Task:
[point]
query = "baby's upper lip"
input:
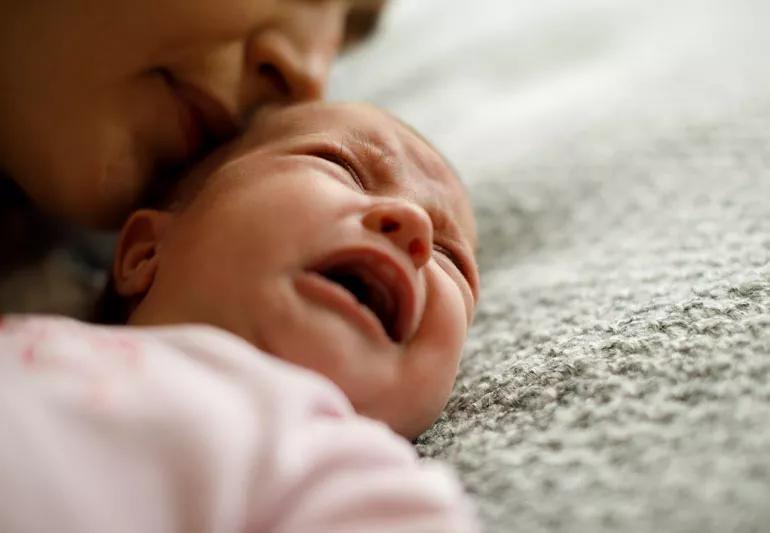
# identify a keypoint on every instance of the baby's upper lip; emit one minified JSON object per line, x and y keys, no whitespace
{"x":206,"y":117}
{"x":389,"y":280}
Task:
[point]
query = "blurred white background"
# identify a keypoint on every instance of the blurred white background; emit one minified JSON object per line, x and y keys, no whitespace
{"x":490,"y":79}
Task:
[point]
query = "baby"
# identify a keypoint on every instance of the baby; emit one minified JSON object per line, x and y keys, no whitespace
{"x":332,"y":249}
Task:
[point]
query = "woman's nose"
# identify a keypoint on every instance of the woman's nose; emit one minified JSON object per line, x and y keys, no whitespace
{"x":407,"y":226}
{"x":291,"y":58}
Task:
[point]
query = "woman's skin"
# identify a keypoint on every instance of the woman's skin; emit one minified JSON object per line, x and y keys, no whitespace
{"x":98,"y":97}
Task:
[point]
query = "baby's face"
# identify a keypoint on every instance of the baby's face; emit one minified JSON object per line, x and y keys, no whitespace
{"x":99,"y":96}
{"x":334,"y":237}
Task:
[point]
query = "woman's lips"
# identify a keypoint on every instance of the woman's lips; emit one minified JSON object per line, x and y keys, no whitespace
{"x":203,"y":119}
{"x":317,"y":288}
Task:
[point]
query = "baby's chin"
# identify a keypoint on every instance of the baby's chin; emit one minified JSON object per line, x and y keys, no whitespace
{"x":380,"y":382}
{"x":408,"y":413}
{"x":370,"y":384}
{"x":408,"y":425}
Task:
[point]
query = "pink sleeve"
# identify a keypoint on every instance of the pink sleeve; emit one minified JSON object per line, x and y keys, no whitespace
{"x":355,"y":475}
{"x":190,"y":429}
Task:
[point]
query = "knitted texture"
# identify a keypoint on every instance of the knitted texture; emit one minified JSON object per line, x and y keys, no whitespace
{"x":617,"y":376}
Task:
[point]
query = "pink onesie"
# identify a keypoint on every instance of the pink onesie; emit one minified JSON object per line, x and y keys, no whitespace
{"x":190,"y":429}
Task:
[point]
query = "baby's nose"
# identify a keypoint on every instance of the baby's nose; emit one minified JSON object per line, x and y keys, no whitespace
{"x":407,"y":226}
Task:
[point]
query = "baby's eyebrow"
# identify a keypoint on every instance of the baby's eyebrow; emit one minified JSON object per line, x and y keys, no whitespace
{"x":377,"y":153}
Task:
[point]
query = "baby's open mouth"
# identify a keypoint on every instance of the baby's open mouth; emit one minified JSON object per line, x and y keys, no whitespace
{"x":378,"y":283}
{"x":370,"y":291}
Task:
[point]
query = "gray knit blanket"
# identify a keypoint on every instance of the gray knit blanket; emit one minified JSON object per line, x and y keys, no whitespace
{"x":617,"y":377}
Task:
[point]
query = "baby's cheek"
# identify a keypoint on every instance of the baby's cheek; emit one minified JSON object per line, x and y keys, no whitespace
{"x":458,"y":283}
{"x":432,"y":360}
{"x":446,"y":312}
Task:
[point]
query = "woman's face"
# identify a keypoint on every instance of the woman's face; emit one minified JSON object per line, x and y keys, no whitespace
{"x":97,"y":97}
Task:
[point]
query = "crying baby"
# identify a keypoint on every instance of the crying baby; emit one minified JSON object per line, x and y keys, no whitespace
{"x":295,"y":302}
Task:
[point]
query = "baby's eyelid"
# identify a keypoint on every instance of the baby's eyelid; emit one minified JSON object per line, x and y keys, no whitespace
{"x":466,"y":265}
{"x":465,"y":273}
{"x":453,"y":258}
{"x":342,"y":162}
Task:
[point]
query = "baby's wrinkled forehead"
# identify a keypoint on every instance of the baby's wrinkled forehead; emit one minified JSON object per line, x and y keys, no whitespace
{"x":354,"y":119}
{"x":365,"y":126}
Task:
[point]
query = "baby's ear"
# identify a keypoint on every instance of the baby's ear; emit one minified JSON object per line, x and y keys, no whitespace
{"x":136,"y":257}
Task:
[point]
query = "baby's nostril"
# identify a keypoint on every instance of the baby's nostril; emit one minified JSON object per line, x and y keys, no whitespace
{"x":388,"y":225}
{"x":275,"y":78}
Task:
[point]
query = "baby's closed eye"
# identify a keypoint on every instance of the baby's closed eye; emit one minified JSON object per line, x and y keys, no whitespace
{"x":342,"y":162}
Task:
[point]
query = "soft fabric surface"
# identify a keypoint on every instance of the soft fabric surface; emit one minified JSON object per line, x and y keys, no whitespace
{"x":617,"y":377}
{"x":189,"y":428}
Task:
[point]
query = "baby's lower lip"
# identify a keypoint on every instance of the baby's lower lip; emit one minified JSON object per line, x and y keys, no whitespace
{"x":321,"y":291}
